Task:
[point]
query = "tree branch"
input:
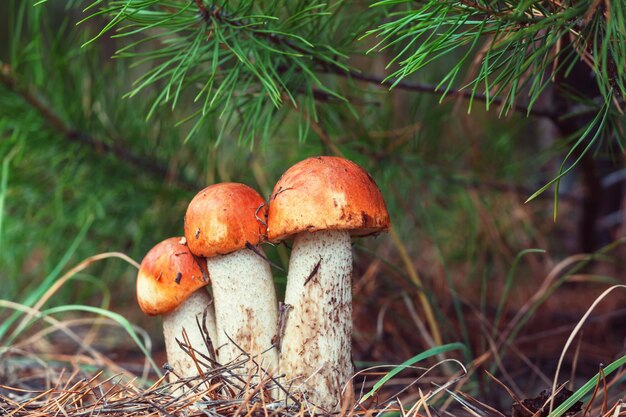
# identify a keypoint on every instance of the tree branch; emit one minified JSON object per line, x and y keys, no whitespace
{"x":157,"y":168}
{"x":208,"y":14}
{"x":432,"y":89}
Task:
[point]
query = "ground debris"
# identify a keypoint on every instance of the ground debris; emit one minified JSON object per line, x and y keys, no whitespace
{"x":223,"y":391}
{"x":538,"y":406}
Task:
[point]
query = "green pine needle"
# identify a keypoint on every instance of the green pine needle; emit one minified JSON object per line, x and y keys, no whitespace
{"x":247,"y":58}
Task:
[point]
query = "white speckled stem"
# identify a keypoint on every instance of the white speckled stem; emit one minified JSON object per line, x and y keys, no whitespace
{"x":184,"y":317}
{"x":245,"y":307}
{"x":316,"y":347}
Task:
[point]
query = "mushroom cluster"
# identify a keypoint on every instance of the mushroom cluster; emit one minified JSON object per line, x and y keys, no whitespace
{"x":319,"y":203}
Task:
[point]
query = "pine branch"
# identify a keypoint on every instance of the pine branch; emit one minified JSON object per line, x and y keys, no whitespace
{"x":157,"y":168}
{"x":331,"y":67}
{"x":507,"y":48}
{"x":218,"y":14}
{"x":433,"y":89}
{"x":240,"y":68}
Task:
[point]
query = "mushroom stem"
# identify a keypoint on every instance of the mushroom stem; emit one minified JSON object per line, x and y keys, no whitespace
{"x":186,"y":317}
{"x":316,"y":347}
{"x":245,"y":307}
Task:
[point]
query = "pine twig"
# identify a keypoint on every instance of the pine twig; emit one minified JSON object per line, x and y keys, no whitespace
{"x":157,"y":168}
{"x":335,"y":69}
{"x":432,"y":89}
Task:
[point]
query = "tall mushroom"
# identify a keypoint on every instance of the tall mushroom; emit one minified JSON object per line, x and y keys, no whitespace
{"x":320,"y":202}
{"x":171,"y":283}
{"x":224,"y":223}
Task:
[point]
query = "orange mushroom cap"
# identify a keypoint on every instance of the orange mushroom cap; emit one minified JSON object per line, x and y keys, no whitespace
{"x":221,"y":218}
{"x":326,"y":193}
{"x":167,"y":276}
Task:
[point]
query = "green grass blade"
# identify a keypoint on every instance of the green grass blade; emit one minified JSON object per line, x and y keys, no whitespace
{"x":34,"y":295}
{"x":118,"y":318}
{"x":409,"y":362}
{"x":508,"y":283}
{"x":588,"y":386}
{"x":4,"y":186}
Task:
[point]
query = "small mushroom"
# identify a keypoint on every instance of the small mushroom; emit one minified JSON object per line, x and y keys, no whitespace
{"x":320,"y":202}
{"x":224,"y":223}
{"x":171,"y":283}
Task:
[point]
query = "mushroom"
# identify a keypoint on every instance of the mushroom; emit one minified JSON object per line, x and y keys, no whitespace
{"x":224,"y":223}
{"x":320,"y":202}
{"x":171,"y":283}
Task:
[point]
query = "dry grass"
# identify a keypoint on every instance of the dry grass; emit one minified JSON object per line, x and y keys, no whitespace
{"x":41,"y":388}
{"x":46,"y":388}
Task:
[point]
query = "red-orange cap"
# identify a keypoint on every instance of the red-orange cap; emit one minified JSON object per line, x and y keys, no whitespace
{"x":167,"y":276}
{"x":221,"y":218}
{"x":326,"y":193}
